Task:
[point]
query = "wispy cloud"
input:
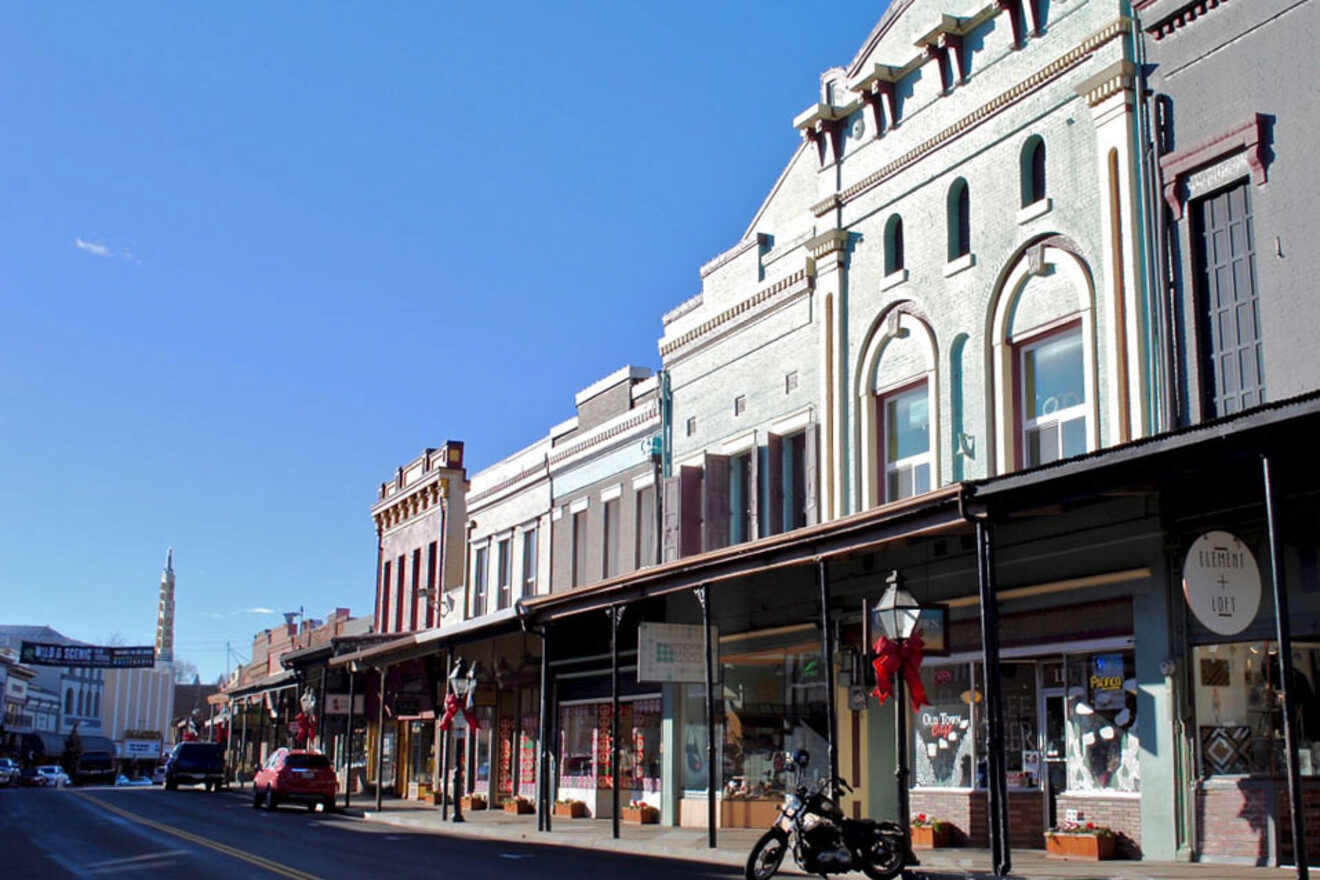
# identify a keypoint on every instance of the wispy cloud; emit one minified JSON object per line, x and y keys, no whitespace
{"x":257,"y":611}
{"x":92,"y":247}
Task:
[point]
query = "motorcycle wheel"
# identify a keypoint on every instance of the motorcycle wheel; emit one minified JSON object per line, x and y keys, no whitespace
{"x":881,"y":860}
{"x":767,"y":855}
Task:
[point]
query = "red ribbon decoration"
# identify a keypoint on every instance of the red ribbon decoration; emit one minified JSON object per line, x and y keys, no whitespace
{"x":893,"y":658}
{"x":452,"y":708}
{"x":303,"y":733}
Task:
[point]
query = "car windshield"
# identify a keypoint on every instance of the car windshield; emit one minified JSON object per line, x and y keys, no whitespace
{"x":300,"y":762}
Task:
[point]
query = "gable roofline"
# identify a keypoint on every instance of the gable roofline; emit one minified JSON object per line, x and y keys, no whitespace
{"x":765,"y":203}
{"x":896,"y":8}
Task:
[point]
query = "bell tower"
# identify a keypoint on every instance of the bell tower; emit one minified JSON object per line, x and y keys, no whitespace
{"x":165,"y":613}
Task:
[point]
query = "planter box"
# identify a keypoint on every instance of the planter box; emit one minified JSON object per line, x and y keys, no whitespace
{"x":574,"y":810}
{"x":474,"y":802}
{"x":1084,"y":847}
{"x":518,"y":808}
{"x":931,"y":836}
{"x":746,"y":812}
{"x":641,"y":815}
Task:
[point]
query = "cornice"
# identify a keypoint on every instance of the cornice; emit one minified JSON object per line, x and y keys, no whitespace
{"x":649,"y":413}
{"x":803,"y":278}
{"x":1117,"y":77}
{"x":977,"y":117}
{"x":490,"y":493}
{"x":1249,"y":137}
{"x":1180,"y":18}
{"x":733,"y":253}
{"x":682,"y":308}
{"x":401,"y":509}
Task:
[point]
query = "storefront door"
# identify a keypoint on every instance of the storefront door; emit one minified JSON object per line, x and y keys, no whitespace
{"x":1054,"y":738}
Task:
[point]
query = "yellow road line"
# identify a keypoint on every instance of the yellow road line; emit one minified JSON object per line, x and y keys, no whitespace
{"x":273,"y":867}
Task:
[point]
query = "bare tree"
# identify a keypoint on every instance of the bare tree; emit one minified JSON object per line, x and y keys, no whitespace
{"x":184,"y":672}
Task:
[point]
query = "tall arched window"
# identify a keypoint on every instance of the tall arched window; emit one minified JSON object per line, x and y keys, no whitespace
{"x":960,"y":220}
{"x":1033,"y":170}
{"x":68,"y":702}
{"x":894,"y":245}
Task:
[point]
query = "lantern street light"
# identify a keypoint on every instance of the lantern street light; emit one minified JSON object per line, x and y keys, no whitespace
{"x":898,"y":614}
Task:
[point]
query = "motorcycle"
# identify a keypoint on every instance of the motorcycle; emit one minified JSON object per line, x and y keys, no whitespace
{"x":823,"y":841}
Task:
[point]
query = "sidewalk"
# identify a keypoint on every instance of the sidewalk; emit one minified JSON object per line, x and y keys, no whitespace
{"x":735,"y":843}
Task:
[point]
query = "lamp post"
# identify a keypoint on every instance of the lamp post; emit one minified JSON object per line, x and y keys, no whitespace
{"x":462,"y":688}
{"x":898,"y":614}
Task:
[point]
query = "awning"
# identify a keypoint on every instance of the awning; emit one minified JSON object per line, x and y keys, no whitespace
{"x":278,"y":681}
{"x":51,"y":745}
{"x":427,"y":642}
{"x":319,"y":654}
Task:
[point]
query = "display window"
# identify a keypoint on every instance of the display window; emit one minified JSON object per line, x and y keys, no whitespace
{"x":584,"y":745}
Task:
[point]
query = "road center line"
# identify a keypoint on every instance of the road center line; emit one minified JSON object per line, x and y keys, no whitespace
{"x":273,"y":867}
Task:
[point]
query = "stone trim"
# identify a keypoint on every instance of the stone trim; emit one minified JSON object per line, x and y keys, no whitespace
{"x":683,"y":308}
{"x":1180,"y":18}
{"x":1117,"y":77}
{"x":641,"y":418}
{"x":802,"y":276}
{"x":478,"y":497}
{"x":986,"y":111}
{"x":733,"y":253}
{"x":1249,"y":136}
{"x":409,"y":506}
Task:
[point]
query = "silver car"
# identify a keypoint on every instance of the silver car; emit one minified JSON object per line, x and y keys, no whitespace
{"x":9,"y":771}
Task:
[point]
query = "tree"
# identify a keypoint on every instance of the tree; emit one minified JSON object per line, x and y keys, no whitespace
{"x":73,"y":751}
{"x":184,"y":672}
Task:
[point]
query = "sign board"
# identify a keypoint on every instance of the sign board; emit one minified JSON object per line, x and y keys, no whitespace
{"x":1106,"y":682}
{"x":675,"y":652}
{"x":1221,"y":583}
{"x":88,"y":656}
{"x":337,"y":704}
{"x":140,"y":749}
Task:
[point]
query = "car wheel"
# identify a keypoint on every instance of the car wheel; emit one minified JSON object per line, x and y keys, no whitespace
{"x":256,"y":797}
{"x":171,"y":784}
{"x":328,"y":805}
{"x":270,"y":797}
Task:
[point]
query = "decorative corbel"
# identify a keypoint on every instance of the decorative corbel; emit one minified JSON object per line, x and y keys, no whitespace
{"x":1037,"y":17}
{"x":1014,"y":10}
{"x":952,"y":46}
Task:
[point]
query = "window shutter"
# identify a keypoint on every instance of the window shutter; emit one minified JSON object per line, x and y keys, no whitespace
{"x":715,"y":503}
{"x":689,"y":540}
{"x":775,"y":479}
{"x":811,"y":473}
{"x":753,"y":494}
{"x":671,"y":511}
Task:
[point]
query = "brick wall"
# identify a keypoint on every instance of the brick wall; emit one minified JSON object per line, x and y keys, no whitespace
{"x":1310,"y":813}
{"x":1233,"y":819}
{"x":968,"y":813}
{"x":1121,"y":813}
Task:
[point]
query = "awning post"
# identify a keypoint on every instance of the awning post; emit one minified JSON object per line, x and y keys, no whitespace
{"x":827,"y":651}
{"x":380,"y":737}
{"x":997,"y":783}
{"x":616,"y":615}
{"x":703,"y":597}
{"x":543,"y":808}
{"x":348,"y":742}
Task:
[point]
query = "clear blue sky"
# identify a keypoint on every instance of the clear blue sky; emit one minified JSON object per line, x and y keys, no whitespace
{"x":256,"y":255}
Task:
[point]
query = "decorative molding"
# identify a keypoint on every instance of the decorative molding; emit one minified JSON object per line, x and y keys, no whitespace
{"x":828,"y":242}
{"x":961,"y":264}
{"x":1249,"y":136}
{"x":1038,"y":208}
{"x":650,"y":412}
{"x":1117,"y":77}
{"x":476,"y":498}
{"x":683,"y":308}
{"x":800,"y":277}
{"x":893,"y":279}
{"x":986,"y":111}
{"x":1179,"y":18}
{"x":733,"y":253}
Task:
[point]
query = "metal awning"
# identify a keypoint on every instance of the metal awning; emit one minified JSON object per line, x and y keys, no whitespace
{"x":276,"y":682}
{"x":430,"y":641}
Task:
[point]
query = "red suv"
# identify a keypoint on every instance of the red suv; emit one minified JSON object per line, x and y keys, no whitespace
{"x":295,"y":776}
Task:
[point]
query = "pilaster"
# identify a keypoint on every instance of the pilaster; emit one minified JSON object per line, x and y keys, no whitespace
{"x":829,"y":253}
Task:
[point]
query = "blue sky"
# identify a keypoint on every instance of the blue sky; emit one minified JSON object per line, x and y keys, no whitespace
{"x":255,"y":256}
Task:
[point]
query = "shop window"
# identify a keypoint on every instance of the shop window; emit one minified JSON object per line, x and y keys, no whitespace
{"x":529,"y":562}
{"x":481,"y":754}
{"x":1033,"y":170}
{"x":905,"y":427}
{"x":1053,"y":398}
{"x":959,"y":209}
{"x":479,"y":582}
{"x":503,"y":572}
{"x":894,"y":245}
{"x":1102,"y":745}
{"x":742,"y":498}
{"x":610,"y":544}
{"x":944,"y":741}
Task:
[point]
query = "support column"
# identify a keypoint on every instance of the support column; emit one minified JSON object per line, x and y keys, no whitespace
{"x":827,"y":650}
{"x":380,"y":736}
{"x":543,"y":805}
{"x":348,"y":742}
{"x":616,"y":614}
{"x":444,"y":736}
{"x":997,"y":782}
{"x":829,"y":254}
{"x":243,"y":747}
{"x":703,"y":597}
{"x":320,"y":712}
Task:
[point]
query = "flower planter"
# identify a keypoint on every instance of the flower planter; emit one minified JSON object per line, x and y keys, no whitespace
{"x":571,"y":810}
{"x":931,"y":836}
{"x":474,"y":802}
{"x":641,"y":815}
{"x":518,"y":808}
{"x":1084,"y":847}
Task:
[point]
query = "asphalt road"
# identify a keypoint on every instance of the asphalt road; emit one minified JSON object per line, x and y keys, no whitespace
{"x":148,"y":832}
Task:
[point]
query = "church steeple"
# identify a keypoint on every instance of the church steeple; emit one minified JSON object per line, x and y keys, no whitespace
{"x":165,"y":613}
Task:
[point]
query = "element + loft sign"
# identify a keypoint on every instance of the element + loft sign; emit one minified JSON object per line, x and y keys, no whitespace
{"x":1221,"y":583}
{"x":94,"y":656}
{"x":675,"y":652}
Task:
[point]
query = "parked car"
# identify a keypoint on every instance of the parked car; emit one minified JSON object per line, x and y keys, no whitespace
{"x":295,"y":776}
{"x":9,"y":771}
{"x":195,"y":763}
{"x":54,"y":775}
{"x":31,"y":778}
{"x":158,"y":775}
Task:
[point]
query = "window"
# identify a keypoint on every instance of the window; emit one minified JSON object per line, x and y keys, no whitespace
{"x":905,"y":428}
{"x":894,"y":245}
{"x":385,"y":596}
{"x":742,"y":498}
{"x":416,"y":586}
{"x":579,"y":547}
{"x":610,"y":544}
{"x":644,"y":552}
{"x":691,"y":426}
{"x":1033,"y":170}
{"x":96,"y":703}
{"x":1053,"y":390}
{"x":81,"y":703}
{"x":503,"y":573}
{"x":795,"y":481}
{"x":960,"y":220}
{"x":740,"y":404}
{"x":1231,"y":344}
{"x":68,"y":702}
{"x":398,"y":604}
{"x":432,"y":596}
{"x":790,"y":382}
{"x":529,"y":562}
{"x":479,"y":582}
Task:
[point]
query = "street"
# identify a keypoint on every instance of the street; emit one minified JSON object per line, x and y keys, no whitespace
{"x":95,"y":832}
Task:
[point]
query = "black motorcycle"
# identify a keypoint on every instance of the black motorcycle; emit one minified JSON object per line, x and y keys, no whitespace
{"x":822,"y":839}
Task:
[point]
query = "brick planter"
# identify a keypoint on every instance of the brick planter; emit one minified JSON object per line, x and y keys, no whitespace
{"x":571,"y":810}
{"x":931,"y":836}
{"x":1083,"y":847}
{"x":516,"y":807}
{"x":641,"y":815}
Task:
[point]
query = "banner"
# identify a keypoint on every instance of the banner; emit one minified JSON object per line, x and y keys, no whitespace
{"x":87,"y":656}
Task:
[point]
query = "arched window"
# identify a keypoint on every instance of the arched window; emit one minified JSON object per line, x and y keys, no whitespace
{"x":960,"y":220}
{"x":1033,"y":170}
{"x":68,"y":702}
{"x":894,"y":245}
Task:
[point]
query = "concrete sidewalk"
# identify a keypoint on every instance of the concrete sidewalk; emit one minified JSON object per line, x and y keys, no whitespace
{"x":735,"y":843}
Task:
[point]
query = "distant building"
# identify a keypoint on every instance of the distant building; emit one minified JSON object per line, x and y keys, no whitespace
{"x":79,"y":689}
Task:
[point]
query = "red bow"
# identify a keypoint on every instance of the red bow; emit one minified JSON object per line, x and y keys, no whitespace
{"x":892,"y":658}
{"x":304,"y":728}
{"x":452,"y":708}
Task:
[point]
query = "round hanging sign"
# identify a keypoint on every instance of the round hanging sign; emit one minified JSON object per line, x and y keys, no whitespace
{"x":1221,"y":583}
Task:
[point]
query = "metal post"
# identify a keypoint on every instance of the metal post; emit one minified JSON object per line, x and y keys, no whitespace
{"x":543,"y":808}
{"x":458,"y":775}
{"x":901,"y":766}
{"x":320,"y":712}
{"x":348,"y":742}
{"x":242,"y":755}
{"x":616,"y":613}
{"x":1283,"y":635}
{"x":996,"y":784}
{"x":380,"y":737}
{"x":704,"y":598}
{"x":261,"y":728}
{"x":657,"y":465}
{"x":827,"y":649}
{"x":444,"y":748}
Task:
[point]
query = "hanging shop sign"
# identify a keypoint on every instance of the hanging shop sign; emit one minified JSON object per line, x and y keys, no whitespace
{"x":1221,"y":583}
{"x":88,"y":656}
{"x":675,"y":652}
{"x":337,"y":704}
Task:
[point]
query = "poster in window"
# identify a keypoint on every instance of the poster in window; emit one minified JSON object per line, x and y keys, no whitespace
{"x":1107,"y":692}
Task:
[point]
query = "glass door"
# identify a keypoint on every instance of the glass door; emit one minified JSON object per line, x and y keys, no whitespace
{"x":1055,"y":740}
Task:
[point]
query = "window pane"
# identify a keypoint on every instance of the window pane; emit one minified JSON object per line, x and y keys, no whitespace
{"x":1074,"y":437}
{"x":907,"y":424}
{"x":891,"y":491}
{"x":1054,"y":375}
{"x":921,"y":478}
{"x":942,"y":731}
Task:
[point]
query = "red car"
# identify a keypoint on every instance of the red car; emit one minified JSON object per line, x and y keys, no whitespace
{"x":295,"y":776}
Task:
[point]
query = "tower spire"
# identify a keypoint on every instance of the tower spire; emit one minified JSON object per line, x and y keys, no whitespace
{"x":165,"y":612}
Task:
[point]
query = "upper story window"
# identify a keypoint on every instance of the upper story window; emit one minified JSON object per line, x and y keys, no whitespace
{"x":579,"y":560}
{"x":68,"y":702}
{"x":503,"y":572}
{"x":690,"y":427}
{"x":1033,"y":170}
{"x":1053,"y":388}
{"x":959,"y":220}
{"x":610,"y":544}
{"x":416,"y":586}
{"x":479,"y":582}
{"x":386,"y":569}
{"x":431,"y":595}
{"x":742,"y":498}
{"x":644,"y":549}
{"x":529,"y":550}
{"x":905,"y":432}
{"x":894,"y":245}
{"x":398,"y":599}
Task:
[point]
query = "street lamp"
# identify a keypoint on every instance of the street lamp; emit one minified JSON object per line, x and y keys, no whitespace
{"x":458,"y":701}
{"x":898,"y":614}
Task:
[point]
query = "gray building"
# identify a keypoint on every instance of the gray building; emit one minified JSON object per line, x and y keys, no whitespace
{"x":79,"y":688}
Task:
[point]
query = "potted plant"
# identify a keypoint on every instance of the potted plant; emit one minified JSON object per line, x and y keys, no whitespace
{"x":474,"y":801}
{"x":929,"y":832}
{"x":1080,"y":840}
{"x":569,"y":809}
{"x":640,"y":813}
{"x":518,"y":806}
